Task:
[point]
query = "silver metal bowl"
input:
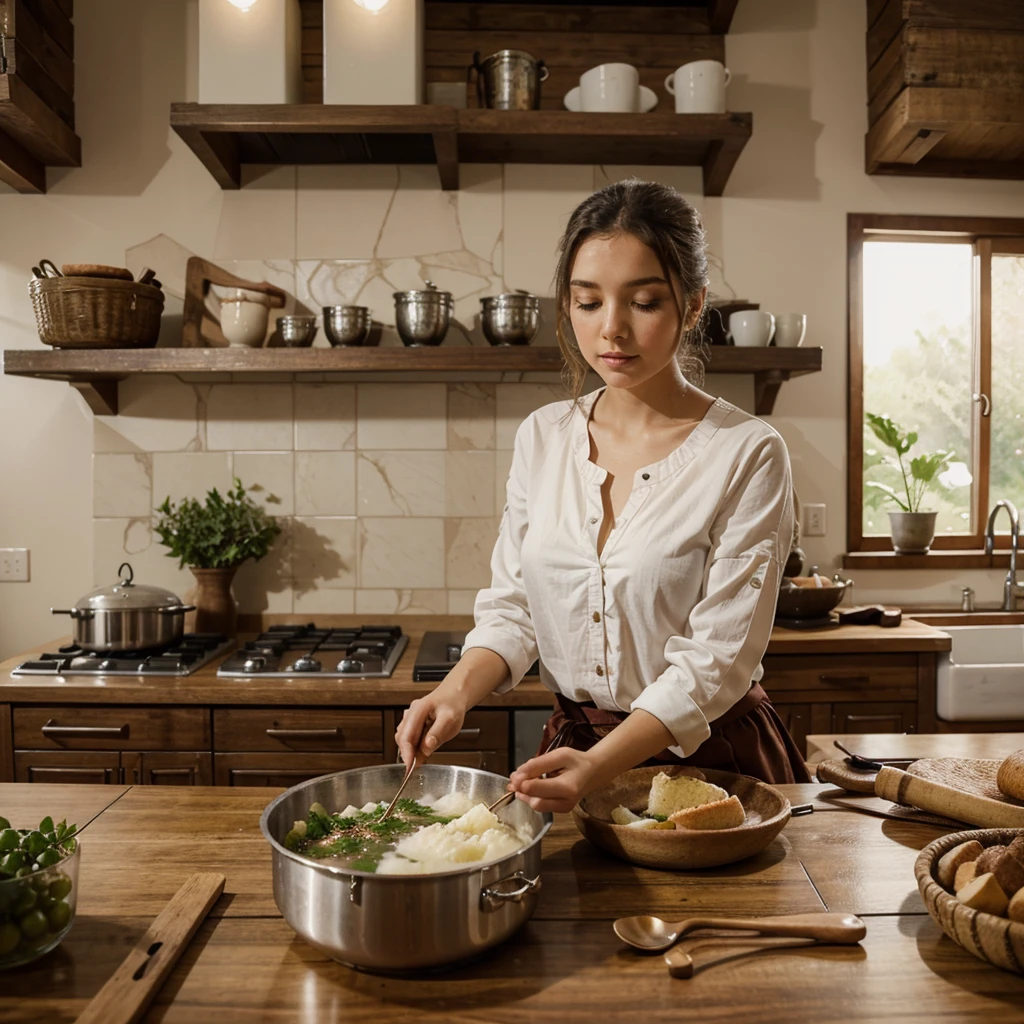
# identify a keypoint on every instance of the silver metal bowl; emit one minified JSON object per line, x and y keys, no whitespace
{"x":422,"y":317}
{"x":510,"y":319}
{"x":347,"y":325}
{"x":402,"y":922}
{"x":297,"y":331}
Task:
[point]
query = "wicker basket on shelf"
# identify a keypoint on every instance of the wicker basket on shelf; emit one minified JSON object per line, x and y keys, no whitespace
{"x":93,"y":312}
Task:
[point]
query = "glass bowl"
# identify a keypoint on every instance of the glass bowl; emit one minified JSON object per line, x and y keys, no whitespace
{"x":37,"y":911}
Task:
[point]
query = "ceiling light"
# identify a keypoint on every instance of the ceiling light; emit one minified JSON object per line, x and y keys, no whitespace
{"x":371,"y":5}
{"x":244,"y":5}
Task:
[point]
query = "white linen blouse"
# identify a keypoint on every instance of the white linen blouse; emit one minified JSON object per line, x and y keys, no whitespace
{"x":675,"y":613}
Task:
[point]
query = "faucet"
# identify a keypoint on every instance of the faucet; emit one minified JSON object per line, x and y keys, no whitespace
{"x":1013,"y":592}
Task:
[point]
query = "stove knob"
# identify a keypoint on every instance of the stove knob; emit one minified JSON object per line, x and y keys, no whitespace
{"x":454,"y":652}
{"x":107,"y":664}
{"x":307,"y":664}
{"x":255,"y":664}
{"x":351,"y":665}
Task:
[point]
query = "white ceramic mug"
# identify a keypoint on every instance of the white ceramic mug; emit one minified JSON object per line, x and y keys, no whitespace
{"x":244,"y":316}
{"x":790,"y":329}
{"x":751,"y":328}
{"x":699,"y":87}
{"x":612,"y":88}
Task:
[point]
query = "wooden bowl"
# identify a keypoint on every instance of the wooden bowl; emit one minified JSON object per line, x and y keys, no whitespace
{"x":766,"y":808}
{"x":996,"y":940}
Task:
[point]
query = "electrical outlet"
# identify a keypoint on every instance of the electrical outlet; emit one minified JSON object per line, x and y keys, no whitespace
{"x":13,"y":565}
{"x":814,"y":520}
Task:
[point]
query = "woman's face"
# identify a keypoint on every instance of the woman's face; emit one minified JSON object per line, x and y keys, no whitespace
{"x":623,"y":311}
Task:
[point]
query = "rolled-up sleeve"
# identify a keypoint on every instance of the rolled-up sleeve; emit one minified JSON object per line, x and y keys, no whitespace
{"x":501,"y":611}
{"x":714,"y":658}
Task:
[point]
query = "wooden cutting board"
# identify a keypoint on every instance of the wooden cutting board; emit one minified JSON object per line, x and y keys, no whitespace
{"x":955,"y":787}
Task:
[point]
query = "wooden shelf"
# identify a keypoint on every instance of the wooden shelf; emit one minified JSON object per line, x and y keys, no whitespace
{"x":227,"y":137}
{"x":95,"y":372}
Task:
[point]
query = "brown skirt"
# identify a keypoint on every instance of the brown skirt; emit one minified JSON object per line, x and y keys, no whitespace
{"x":748,"y":739}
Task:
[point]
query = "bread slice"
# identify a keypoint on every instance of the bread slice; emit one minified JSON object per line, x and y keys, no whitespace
{"x":727,"y":813}
{"x":670,"y":794}
{"x":984,"y":894}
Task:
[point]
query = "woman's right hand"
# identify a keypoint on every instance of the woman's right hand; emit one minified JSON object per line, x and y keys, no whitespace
{"x":427,"y":723}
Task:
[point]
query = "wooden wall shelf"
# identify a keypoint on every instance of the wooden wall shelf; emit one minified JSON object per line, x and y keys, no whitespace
{"x":227,"y":136}
{"x":95,"y":372}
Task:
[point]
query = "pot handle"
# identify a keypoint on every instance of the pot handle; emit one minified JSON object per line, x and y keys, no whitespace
{"x":177,"y":609}
{"x":75,"y":613}
{"x":497,"y":894}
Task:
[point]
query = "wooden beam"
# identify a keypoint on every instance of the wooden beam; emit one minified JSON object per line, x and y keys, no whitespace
{"x":921,"y":145}
{"x":31,"y":122}
{"x":720,"y":14}
{"x":719,"y":162}
{"x":217,"y":151}
{"x":19,"y":169}
{"x":446,"y":151}
{"x":100,"y":395}
{"x":766,"y":390}
{"x":24,"y":29}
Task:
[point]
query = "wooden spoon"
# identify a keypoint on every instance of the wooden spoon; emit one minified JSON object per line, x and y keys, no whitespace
{"x":655,"y":935}
{"x":683,"y":963}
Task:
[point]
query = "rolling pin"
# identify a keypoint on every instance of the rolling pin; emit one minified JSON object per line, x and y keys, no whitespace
{"x":903,"y":788}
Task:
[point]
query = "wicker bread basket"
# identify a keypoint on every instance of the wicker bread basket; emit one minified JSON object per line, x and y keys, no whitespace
{"x":997,"y":940}
{"x":93,"y":312}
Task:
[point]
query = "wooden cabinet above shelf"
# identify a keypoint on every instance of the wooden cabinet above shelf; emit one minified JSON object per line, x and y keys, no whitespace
{"x":95,"y":372}
{"x":226,"y":137}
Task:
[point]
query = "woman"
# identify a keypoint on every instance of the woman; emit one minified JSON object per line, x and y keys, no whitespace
{"x":639,"y":552}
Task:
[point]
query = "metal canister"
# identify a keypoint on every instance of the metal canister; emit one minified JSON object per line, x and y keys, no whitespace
{"x":509,"y":80}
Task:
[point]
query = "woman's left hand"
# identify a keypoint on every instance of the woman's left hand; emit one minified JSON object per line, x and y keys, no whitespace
{"x":571,"y":775}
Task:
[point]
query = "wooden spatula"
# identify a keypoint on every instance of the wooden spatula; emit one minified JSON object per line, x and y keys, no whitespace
{"x":131,"y":988}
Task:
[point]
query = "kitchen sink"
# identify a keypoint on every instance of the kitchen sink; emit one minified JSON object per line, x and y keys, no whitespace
{"x":982,"y":678}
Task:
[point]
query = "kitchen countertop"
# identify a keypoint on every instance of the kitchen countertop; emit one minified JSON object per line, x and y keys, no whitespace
{"x":565,"y":965}
{"x":205,"y":688}
{"x":981,"y":745}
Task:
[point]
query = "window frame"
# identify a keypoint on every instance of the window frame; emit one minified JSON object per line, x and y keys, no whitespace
{"x":988,"y":235}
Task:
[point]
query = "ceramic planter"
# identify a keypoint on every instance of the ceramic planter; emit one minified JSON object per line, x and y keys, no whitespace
{"x":912,"y":532}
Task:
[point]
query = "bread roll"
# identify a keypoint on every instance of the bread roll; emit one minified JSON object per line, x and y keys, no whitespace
{"x":985,"y":894}
{"x":965,"y":874}
{"x":1010,"y":777}
{"x":989,"y":857}
{"x":1015,"y":911}
{"x":950,"y":861}
{"x":1016,"y":849}
{"x":726,"y":813}
{"x":1009,"y":873}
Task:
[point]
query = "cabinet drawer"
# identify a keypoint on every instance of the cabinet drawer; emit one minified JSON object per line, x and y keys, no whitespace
{"x":282,"y":769}
{"x":278,"y":729}
{"x":481,"y":730}
{"x":891,"y":716}
{"x":842,"y":673}
{"x":488,"y":760}
{"x":106,"y":727}
{"x":62,"y":766}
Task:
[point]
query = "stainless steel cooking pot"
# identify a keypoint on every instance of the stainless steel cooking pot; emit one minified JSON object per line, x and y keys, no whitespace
{"x":510,"y":318}
{"x":127,"y":616}
{"x":402,"y":922}
{"x":422,"y":317}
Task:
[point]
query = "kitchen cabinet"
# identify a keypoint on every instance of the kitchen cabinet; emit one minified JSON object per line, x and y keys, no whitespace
{"x":255,"y":769}
{"x":167,"y":768}
{"x":82,"y":767}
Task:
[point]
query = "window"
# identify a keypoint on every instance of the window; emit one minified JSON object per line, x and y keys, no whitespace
{"x":936,"y":315}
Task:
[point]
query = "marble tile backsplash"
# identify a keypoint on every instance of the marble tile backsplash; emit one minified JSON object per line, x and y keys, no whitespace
{"x":389,"y":495}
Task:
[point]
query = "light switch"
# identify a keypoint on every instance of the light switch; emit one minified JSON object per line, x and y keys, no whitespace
{"x":814,"y":521}
{"x":13,"y":565}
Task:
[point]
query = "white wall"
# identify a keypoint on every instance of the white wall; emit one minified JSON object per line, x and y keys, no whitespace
{"x":779,"y":233}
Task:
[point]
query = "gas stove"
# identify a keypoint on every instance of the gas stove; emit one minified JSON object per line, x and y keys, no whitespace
{"x":190,"y":653}
{"x":286,"y":651}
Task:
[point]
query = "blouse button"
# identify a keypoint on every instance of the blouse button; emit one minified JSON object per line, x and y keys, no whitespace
{"x":646,"y":476}
{"x":597,"y":616}
{"x":593,"y":519}
{"x":599,"y":670}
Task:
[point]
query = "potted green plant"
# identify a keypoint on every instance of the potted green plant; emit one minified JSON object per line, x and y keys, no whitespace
{"x":913,"y":530}
{"x":213,"y":540}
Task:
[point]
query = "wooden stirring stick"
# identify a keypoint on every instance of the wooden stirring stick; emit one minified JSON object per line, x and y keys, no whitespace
{"x":131,"y":988}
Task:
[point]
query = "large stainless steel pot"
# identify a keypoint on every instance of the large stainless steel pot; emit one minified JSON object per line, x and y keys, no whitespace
{"x":422,"y":317}
{"x":402,"y":922}
{"x":127,"y":616}
{"x":510,"y":318}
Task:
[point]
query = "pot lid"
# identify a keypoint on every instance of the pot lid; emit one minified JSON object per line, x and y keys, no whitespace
{"x":430,"y":294}
{"x":125,"y":594}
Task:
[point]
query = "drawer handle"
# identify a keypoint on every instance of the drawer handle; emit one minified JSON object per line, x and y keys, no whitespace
{"x":305,"y":734}
{"x":861,"y":680}
{"x":105,"y":732}
{"x":468,"y":734}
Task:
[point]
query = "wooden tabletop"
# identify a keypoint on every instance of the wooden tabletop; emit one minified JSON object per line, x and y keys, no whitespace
{"x":204,"y":687}
{"x":991,"y":745}
{"x":566,"y":964}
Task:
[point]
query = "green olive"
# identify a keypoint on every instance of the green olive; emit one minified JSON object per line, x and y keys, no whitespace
{"x":58,"y":916}
{"x":9,"y":839}
{"x":33,"y":924}
{"x":10,"y":936}
{"x":26,"y":900}
{"x":60,"y":887}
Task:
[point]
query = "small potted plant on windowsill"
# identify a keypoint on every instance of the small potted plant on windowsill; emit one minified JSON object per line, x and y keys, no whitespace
{"x":912,"y":530}
{"x":213,"y":540}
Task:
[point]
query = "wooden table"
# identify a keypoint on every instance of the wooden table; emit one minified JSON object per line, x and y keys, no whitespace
{"x":245,"y":963}
{"x":820,"y":747}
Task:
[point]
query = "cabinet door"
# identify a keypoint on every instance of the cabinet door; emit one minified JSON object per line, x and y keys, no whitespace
{"x":95,"y":767}
{"x":257,"y":769}
{"x":481,"y":730}
{"x":167,"y":768}
{"x":299,"y":729}
{"x":892,"y":716}
{"x":797,"y":720}
{"x":489,"y":760}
